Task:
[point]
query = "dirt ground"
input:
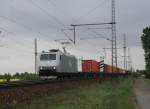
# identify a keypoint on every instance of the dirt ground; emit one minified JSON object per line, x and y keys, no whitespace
{"x":142,"y":92}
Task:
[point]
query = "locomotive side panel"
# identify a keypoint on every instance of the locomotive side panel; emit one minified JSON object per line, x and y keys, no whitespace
{"x":68,"y":64}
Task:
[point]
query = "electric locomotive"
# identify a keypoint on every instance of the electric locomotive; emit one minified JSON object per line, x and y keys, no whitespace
{"x":55,"y":62}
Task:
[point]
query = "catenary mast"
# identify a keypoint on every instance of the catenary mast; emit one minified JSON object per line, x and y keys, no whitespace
{"x":114,"y":42}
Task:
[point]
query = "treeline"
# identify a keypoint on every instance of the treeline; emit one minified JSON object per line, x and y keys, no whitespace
{"x":145,"y":38}
{"x":19,"y":76}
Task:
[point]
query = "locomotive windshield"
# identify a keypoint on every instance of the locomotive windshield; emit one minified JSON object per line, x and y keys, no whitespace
{"x":48,"y":57}
{"x":52,"y":56}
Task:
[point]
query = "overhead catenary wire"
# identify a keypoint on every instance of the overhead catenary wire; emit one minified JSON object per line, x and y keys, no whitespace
{"x":93,"y":9}
{"x":43,"y":10}
{"x":100,"y":3}
{"x":47,"y":13}
{"x":67,"y":35}
{"x":18,"y":44}
{"x":36,"y":8}
{"x":54,"y":18}
{"x":76,"y":20}
{"x":36,"y":34}
{"x":16,"y":41}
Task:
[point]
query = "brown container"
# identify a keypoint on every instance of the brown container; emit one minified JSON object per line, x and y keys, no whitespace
{"x":107,"y":68}
{"x":90,"y":66}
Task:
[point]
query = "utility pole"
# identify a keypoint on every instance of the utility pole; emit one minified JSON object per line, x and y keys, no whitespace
{"x":114,"y":42}
{"x":129,"y":60}
{"x":35,"y":52}
{"x":74,"y":32}
{"x":124,"y":48}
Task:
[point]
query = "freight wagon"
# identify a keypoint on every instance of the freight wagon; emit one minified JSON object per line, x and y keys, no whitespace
{"x":90,"y":66}
{"x":108,"y":69}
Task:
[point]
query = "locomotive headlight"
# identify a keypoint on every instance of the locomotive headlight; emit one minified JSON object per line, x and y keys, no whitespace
{"x":54,"y":67}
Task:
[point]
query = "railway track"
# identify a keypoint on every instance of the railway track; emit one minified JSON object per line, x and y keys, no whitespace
{"x":25,"y":83}
{"x":71,"y":77}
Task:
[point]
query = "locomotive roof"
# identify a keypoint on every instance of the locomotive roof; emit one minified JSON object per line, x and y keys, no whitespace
{"x":57,"y":50}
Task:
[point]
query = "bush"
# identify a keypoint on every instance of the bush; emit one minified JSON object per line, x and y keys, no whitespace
{"x":147,"y":74}
{"x":26,"y":76}
{"x":7,"y":77}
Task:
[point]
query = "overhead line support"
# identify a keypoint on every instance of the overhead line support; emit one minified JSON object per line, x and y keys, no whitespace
{"x":35,"y":48}
{"x":92,"y":24}
{"x":88,"y":24}
{"x":114,"y":39}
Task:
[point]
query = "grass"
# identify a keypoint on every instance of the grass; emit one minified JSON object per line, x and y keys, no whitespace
{"x":147,"y":81}
{"x":11,"y":80}
{"x":108,"y":95}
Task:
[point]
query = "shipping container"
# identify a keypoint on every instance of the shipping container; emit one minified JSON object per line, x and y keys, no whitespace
{"x":90,"y":66}
{"x":108,"y":69}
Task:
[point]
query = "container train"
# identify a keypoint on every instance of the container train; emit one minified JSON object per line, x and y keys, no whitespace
{"x":58,"y":63}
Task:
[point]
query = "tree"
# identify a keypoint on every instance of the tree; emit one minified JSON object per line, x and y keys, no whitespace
{"x":7,"y":77}
{"x":146,"y":46}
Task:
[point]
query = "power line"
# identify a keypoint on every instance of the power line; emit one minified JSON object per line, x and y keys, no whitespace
{"x":89,"y":24}
{"x":66,"y":35}
{"x":22,"y":25}
{"x":43,"y":10}
{"x":17,"y":42}
{"x":33,"y":3}
{"x":93,"y":9}
{"x":54,"y":18}
{"x":61,"y":11}
{"x":29,"y":29}
{"x":14,"y":21}
{"x":50,"y":1}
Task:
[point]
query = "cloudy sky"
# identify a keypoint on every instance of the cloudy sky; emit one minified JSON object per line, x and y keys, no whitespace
{"x":47,"y":20}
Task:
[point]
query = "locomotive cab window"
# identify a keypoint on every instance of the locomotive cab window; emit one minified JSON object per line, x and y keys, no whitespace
{"x":52,"y":56}
{"x":45,"y":57}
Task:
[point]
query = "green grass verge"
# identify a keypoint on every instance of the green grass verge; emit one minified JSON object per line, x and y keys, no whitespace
{"x":108,"y":95}
{"x":147,"y":81}
{"x":11,"y":80}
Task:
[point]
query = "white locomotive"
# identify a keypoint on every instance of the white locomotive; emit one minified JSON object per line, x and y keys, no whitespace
{"x":55,"y":61}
